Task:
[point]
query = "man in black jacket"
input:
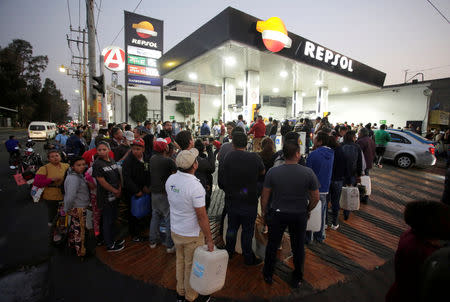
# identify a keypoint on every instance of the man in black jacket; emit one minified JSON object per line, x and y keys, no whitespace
{"x":205,"y":175}
{"x":206,"y":164}
{"x":136,"y":178}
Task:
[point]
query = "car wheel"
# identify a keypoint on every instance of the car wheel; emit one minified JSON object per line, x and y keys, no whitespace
{"x":404,"y":161}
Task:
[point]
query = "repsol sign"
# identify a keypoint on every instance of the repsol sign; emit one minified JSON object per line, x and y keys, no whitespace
{"x":327,"y":56}
{"x":144,"y":43}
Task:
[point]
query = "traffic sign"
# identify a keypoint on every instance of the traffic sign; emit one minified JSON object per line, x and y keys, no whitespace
{"x":114,"y":58}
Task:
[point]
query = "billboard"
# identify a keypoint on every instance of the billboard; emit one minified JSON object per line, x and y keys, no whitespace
{"x":143,"y":47}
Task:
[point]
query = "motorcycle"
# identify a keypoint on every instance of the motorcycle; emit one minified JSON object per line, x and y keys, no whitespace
{"x":30,"y":160}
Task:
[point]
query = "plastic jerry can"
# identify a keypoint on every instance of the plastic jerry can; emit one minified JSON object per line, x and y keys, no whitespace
{"x":315,"y":219}
{"x":349,"y":199}
{"x":365,"y":181}
{"x":209,"y":270}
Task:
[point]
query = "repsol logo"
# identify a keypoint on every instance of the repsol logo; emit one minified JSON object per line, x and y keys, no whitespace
{"x":324,"y":55}
{"x":144,"y":43}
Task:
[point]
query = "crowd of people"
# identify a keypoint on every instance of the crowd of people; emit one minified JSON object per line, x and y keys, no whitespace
{"x":164,"y":161}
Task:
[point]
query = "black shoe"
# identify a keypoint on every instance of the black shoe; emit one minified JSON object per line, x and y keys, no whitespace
{"x":115,"y":248}
{"x":180,"y":298}
{"x":100,"y":242}
{"x":255,"y":262}
{"x":296,"y":283}
{"x":202,"y":298}
{"x":138,"y":239}
{"x":120,"y":242}
{"x":268,"y":279}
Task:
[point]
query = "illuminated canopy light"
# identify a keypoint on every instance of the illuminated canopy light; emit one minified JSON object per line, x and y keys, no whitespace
{"x":319,"y":82}
{"x":230,"y":61}
{"x":345,"y":89}
{"x":216,"y":103}
{"x":193,"y":76}
{"x":283,"y":73}
{"x":276,"y":90}
{"x":303,"y":94}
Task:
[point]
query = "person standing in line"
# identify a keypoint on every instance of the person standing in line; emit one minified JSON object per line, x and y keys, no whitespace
{"x":353,"y":163}
{"x":321,"y":162}
{"x":259,"y":131}
{"x":230,"y":127}
{"x":367,"y":146}
{"x":189,"y":220}
{"x":74,"y":145}
{"x":161,"y":167}
{"x":294,"y":191}
{"x":205,"y":152}
{"x":241,"y":123}
{"x":119,"y":145}
{"x":239,"y":174}
{"x":222,"y":131}
{"x":273,"y":130}
{"x":269,"y":126}
{"x":76,"y":201}
{"x":205,"y":129}
{"x":61,"y":140}
{"x":382,"y":138}
{"x":159,"y":128}
{"x":109,"y":189}
{"x":136,"y":182}
{"x":337,"y":182}
{"x":51,"y":177}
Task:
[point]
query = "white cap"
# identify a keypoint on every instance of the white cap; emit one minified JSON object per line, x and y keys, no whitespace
{"x":186,"y":158}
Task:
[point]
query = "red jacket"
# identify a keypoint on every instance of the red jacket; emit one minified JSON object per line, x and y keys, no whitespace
{"x":258,"y":129}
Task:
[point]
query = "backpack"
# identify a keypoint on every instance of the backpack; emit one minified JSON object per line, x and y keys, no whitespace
{"x":63,"y":190}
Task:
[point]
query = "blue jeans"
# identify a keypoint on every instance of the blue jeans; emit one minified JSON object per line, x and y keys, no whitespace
{"x":335,"y":195}
{"x":320,"y":235}
{"x":160,"y":212}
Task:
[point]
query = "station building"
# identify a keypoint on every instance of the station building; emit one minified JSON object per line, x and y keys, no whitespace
{"x":239,"y":64}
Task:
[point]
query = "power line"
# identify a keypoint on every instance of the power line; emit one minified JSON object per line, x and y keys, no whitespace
{"x":70,"y":17}
{"x":440,"y":13}
{"x":431,"y":68}
{"x":124,"y":25}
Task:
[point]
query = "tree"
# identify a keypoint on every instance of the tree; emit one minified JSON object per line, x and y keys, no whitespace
{"x":138,"y":108}
{"x":51,"y":106}
{"x":20,"y":80}
{"x":185,"y":107}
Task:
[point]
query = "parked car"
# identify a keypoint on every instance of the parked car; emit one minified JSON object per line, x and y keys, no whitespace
{"x":42,"y":130}
{"x":407,"y":148}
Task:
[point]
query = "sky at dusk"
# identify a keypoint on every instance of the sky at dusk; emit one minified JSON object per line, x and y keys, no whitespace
{"x":390,"y":36}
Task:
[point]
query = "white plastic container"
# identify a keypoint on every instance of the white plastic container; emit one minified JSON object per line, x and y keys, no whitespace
{"x":349,"y":198}
{"x":315,"y":219}
{"x":365,"y":181}
{"x":209,"y":270}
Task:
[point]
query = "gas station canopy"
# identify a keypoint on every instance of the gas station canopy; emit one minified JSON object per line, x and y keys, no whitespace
{"x":234,"y":45}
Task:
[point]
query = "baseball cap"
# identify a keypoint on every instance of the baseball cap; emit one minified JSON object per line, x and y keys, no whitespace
{"x":160,"y":144}
{"x":129,"y":136}
{"x":138,"y":142}
{"x":186,"y":158}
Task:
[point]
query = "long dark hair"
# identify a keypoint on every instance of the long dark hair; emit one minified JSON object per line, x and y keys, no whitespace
{"x":267,"y":146}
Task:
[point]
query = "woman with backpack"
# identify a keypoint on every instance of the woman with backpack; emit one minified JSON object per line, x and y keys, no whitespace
{"x":51,"y":178}
{"x":76,"y":201}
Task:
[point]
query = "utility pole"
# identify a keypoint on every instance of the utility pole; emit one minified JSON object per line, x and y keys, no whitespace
{"x":91,"y":54}
{"x":81,"y":74}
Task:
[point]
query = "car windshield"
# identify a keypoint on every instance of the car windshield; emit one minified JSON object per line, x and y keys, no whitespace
{"x":37,"y":127}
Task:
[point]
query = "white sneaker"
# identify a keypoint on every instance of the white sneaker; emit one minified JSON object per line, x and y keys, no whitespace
{"x":153,"y":245}
{"x":334,"y":227}
{"x":171,"y":250}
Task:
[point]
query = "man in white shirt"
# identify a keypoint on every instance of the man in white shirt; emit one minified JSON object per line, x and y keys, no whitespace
{"x":189,"y":222}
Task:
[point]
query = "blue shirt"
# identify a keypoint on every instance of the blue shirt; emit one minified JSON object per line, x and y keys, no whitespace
{"x":11,"y":144}
{"x":61,"y":139}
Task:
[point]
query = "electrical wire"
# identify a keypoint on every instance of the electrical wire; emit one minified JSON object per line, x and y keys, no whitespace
{"x":440,"y":13}
{"x":431,"y":68}
{"x":124,"y":25}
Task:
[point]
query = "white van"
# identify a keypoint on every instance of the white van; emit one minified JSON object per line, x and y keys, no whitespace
{"x":42,"y":130}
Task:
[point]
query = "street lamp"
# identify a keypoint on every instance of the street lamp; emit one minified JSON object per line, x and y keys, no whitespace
{"x":62,"y":69}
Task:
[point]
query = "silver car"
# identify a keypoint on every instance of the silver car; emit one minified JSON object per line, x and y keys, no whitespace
{"x":407,"y":148}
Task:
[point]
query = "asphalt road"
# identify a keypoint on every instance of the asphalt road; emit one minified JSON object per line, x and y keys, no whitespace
{"x":30,"y":270}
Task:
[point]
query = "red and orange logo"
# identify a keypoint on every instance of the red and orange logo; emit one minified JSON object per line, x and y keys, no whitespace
{"x":145,"y":30}
{"x":274,"y":34}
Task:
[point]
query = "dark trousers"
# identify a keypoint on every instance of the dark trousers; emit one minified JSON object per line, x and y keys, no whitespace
{"x":134,"y":224}
{"x":335,"y":196}
{"x":380,"y":153}
{"x":278,"y":222}
{"x":109,"y":216}
{"x":52,"y":209}
{"x":235,"y":220}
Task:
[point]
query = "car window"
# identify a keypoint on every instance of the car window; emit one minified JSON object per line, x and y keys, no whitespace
{"x":396,"y":138}
{"x":37,"y":127}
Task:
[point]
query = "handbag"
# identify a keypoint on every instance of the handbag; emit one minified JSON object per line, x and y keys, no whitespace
{"x":365,"y":181}
{"x":36,"y":193}
{"x":140,"y":206}
{"x":20,"y":181}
